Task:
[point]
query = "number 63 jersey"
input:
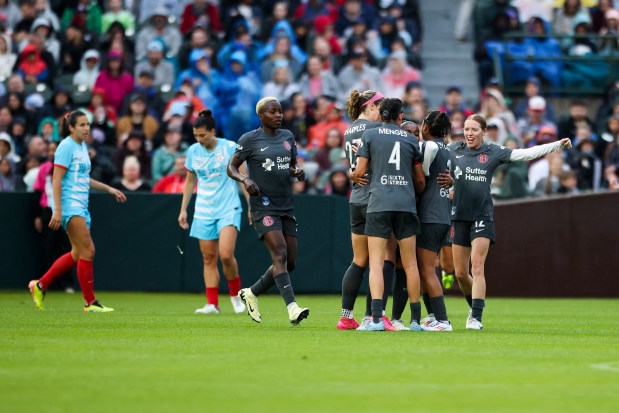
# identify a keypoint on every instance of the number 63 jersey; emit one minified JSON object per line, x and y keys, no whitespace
{"x":391,"y":153}
{"x":360,"y":195}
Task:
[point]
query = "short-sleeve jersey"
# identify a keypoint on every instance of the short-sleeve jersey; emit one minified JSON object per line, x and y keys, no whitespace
{"x":73,"y":157}
{"x":391,"y":152}
{"x":268,"y":165}
{"x":434,"y":204}
{"x":218,"y":194}
{"x":472,"y":171}
{"x":360,"y":194}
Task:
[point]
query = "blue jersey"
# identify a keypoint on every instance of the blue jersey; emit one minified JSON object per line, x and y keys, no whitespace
{"x":218,"y":194}
{"x":74,"y":157}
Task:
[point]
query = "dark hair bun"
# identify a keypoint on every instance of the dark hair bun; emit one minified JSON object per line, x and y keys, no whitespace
{"x":206,"y":113}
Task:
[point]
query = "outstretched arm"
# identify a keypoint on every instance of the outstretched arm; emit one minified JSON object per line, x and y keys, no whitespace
{"x":100,"y":186}
{"x":540,"y":150}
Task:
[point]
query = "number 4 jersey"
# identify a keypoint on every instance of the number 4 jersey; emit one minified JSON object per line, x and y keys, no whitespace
{"x":391,"y":152}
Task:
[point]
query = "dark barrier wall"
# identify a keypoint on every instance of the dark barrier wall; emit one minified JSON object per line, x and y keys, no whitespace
{"x":562,"y":247}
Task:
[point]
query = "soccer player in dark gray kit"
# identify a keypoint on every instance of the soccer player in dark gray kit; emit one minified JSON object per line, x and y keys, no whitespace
{"x":473,"y":162}
{"x":271,"y":156}
{"x":392,"y":155}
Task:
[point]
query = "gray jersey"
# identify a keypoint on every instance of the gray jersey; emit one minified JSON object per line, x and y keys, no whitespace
{"x":472,"y":171}
{"x":391,"y":153}
{"x":268,"y":164}
{"x":360,"y":194}
{"x":434,"y":203}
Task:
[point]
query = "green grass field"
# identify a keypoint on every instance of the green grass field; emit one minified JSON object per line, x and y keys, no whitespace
{"x":154,"y":355}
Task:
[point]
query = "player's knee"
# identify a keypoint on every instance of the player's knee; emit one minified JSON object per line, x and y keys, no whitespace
{"x":279,"y":255}
{"x":209,"y":258}
{"x":477,"y":267}
{"x":227,"y":258}
{"x":88,"y":253}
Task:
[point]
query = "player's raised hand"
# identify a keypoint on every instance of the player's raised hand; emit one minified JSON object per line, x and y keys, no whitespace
{"x":566,"y":143}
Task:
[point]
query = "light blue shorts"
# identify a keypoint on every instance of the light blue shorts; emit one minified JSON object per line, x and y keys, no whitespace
{"x":209,"y":229}
{"x":67,"y":218}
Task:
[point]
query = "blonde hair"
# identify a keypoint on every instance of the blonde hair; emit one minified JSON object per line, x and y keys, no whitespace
{"x":131,"y":160}
{"x":263,"y":102}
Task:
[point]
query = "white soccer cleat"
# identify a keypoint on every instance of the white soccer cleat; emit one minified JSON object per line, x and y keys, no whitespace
{"x":237,"y":304}
{"x":208,"y":309}
{"x":473,"y":323}
{"x":428,"y":320}
{"x":365,"y":323}
{"x":297,"y":314}
{"x":399,"y":325}
{"x":437,"y":325}
{"x":251,"y":302}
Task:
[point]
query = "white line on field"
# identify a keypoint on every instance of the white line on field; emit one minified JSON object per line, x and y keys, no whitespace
{"x":610,"y":366}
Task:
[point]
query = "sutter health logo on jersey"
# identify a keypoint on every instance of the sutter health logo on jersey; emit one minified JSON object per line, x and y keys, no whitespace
{"x":283,"y":162}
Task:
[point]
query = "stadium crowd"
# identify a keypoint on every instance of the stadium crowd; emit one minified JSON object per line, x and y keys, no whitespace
{"x":144,"y":69}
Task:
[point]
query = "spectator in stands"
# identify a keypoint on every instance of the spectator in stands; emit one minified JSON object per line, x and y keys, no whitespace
{"x":281,"y":85}
{"x":358,"y":74}
{"x":380,"y":45}
{"x":578,"y":114}
{"x":8,"y":175}
{"x":397,"y":74}
{"x":610,"y":43}
{"x":48,"y":130}
{"x":163,"y":157}
{"x":177,"y":115}
{"x":598,"y":15}
{"x":7,"y":149}
{"x":203,"y":12}
{"x":7,"y":57}
{"x":116,"y":39}
{"x":246,"y":11}
{"x":530,"y":125}
{"x":131,"y":180}
{"x":114,"y":80}
{"x":408,"y":12}
{"x":414,"y":97}
{"x":581,"y":46}
{"x":87,"y":15}
{"x":174,"y":182}
{"x":282,"y":52}
{"x":350,"y":13}
{"x":241,"y":41}
{"x":134,"y":144}
{"x":318,"y":82}
{"x":324,"y":28}
{"x":137,"y":119}
{"x":44,"y":28}
{"x":105,"y":116}
{"x":9,"y":9}
{"x":453,"y":102}
{"x":5,"y":122}
{"x":317,"y":134}
{"x":156,"y":64}
{"x":310,"y":10}
{"x":494,"y":107}
{"x":564,"y":17}
{"x":330,"y":151}
{"x":238,"y":90}
{"x":300,"y":120}
{"x":338,"y":183}
{"x":199,"y":38}
{"x":18,"y":130}
{"x":568,"y":183}
{"x":75,"y":44}
{"x":89,"y":69}
{"x":510,"y":180}
{"x":549,"y":184}
{"x":532,"y":88}
{"x":42,"y":9}
{"x":584,"y":162}
{"x":31,"y":67}
{"x":116,"y":13}
{"x":279,"y":13}
{"x":328,"y":60}
{"x":158,"y":28}
{"x":22,"y":28}
{"x":59,"y":104}
{"x":203,"y":78}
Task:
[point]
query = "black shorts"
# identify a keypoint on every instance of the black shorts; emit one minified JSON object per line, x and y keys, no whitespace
{"x":433,"y":236}
{"x":266,"y":221}
{"x":382,"y":224}
{"x":463,"y":232}
{"x":357,"y":218}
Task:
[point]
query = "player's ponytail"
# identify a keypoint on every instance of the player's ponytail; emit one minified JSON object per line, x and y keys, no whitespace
{"x":205,"y":120}
{"x":390,"y":109}
{"x":69,"y":119}
{"x":358,"y":102}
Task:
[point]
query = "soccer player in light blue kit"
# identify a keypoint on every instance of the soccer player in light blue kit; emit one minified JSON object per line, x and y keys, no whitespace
{"x":217,"y":215}
{"x":71,"y":183}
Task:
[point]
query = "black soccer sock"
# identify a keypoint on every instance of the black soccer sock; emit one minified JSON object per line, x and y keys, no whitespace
{"x":368,"y":303}
{"x":350,"y":285}
{"x":427,"y":303}
{"x":400,"y":294}
{"x":469,"y":299}
{"x":377,"y":310}
{"x":264,"y":283}
{"x":478,"y":308}
{"x":388,"y":267}
{"x":438,"y":308}
{"x":415,"y":312}
{"x":285,"y":287}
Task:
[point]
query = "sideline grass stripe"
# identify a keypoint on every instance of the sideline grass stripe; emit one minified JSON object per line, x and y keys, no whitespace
{"x":154,"y":355}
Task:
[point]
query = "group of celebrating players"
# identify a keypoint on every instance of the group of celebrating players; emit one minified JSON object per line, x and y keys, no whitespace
{"x":401,"y":210}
